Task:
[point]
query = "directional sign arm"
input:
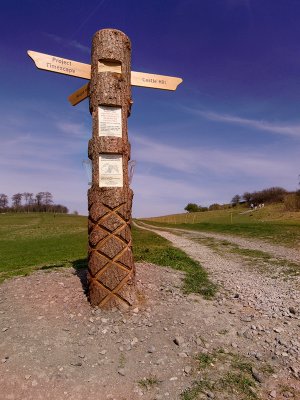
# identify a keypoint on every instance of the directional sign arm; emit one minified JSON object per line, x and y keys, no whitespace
{"x":80,"y":94}
{"x":60,"y":65}
{"x":137,"y":79}
{"x":154,"y":81}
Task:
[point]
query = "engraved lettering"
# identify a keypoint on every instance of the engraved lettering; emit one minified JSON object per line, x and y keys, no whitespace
{"x":60,"y":68}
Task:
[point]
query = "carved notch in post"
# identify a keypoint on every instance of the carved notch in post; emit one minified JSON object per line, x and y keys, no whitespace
{"x":111,"y":272}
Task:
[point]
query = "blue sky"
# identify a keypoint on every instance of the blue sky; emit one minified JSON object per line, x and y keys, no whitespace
{"x":232,"y":126}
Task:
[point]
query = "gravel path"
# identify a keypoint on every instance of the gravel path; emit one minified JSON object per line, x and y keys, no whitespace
{"x":53,"y":345}
{"x":234,"y":277}
{"x":246,"y":243}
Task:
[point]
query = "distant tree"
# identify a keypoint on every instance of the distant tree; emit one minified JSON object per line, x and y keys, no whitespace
{"x":39,"y":198}
{"x":59,"y":209}
{"x":28,"y":198}
{"x":235,"y":200}
{"x":247,"y":197}
{"x":202,"y":209}
{"x":41,"y":202}
{"x":17,"y":200}
{"x":3,"y":202}
{"x":192,"y":207}
{"x":47,"y":198}
{"x":272,"y":195}
{"x":215,"y":206}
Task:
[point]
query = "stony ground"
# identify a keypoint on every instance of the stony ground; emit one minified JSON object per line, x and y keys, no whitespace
{"x":244,"y":344}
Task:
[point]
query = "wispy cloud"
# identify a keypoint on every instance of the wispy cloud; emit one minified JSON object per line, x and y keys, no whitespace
{"x":43,"y":163}
{"x":155,"y":195}
{"x":167,"y":177}
{"x":69,"y":43}
{"x":278,"y":128}
{"x":71,"y":128}
{"x":220,"y":162}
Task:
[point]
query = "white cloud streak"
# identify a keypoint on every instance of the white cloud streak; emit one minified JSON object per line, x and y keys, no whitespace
{"x":167,"y":177}
{"x":69,"y":43}
{"x":278,"y":128}
{"x":220,"y":162}
{"x":155,"y":195}
{"x":72,"y":129}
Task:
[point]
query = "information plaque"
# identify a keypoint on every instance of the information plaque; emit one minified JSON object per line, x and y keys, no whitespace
{"x":110,"y":170}
{"x":110,"y":121}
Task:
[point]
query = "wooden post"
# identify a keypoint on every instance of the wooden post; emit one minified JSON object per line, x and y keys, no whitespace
{"x":111,"y":269}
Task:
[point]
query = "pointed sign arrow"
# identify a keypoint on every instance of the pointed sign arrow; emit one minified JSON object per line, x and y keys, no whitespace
{"x":60,"y":65}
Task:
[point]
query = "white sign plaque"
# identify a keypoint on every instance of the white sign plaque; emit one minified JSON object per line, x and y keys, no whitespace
{"x":110,"y":170}
{"x":110,"y":121}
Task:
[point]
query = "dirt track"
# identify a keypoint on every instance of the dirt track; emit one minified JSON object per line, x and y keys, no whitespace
{"x":55,"y":346}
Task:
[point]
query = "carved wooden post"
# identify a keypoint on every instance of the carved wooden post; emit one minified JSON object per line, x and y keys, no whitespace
{"x":110,"y":263}
{"x":110,"y":267}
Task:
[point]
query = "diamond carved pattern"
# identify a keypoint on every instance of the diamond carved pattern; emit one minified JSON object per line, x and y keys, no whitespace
{"x":113,"y":276}
{"x":111,"y":247}
{"x":96,"y":262}
{"x":110,"y":256}
{"x":112,"y":222}
{"x":97,"y":235}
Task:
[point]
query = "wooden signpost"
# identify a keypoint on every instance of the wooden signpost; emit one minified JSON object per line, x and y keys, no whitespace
{"x":81,"y":70}
{"x":111,"y":272}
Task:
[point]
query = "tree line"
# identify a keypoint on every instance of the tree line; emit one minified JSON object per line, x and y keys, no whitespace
{"x":291,"y":200}
{"x":270,"y":195}
{"x":28,"y":202}
{"x":276,"y":194}
{"x":193,"y":207}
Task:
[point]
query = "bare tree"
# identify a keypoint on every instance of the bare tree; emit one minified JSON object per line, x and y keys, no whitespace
{"x":235,"y":200}
{"x":247,"y":197}
{"x":47,"y":198}
{"x":39,"y":198}
{"x":17,"y":200}
{"x":3,"y":201}
{"x":28,"y":197}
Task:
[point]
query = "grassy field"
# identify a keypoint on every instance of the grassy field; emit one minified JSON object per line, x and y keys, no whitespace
{"x":271,"y":223}
{"x":42,"y":241}
{"x":36,"y":240}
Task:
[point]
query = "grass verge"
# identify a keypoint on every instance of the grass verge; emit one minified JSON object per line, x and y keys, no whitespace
{"x":270,"y":224}
{"x":149,"y":247}
{"x":227,"y":375}
{"x":260,"y":260}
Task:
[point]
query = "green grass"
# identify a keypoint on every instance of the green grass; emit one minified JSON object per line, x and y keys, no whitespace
{"x":149,"y":247}
{"x":204,"y":360}
{"x":227,"y":375}
{"x":148,"y":383}
{"x":40,"y":240}
{"x":271,"y":223}
{"x":240,"y":383}
{"x":196,"y":388}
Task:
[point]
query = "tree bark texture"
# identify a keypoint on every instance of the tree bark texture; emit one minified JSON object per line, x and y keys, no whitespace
{"x":111,"y":272}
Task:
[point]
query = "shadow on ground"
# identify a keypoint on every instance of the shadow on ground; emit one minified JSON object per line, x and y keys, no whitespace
{"x":80,"y":267}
